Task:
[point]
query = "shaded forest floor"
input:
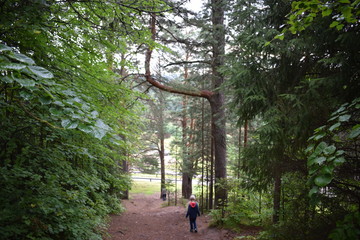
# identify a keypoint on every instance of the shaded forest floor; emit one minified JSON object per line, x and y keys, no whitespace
{"x":146,"y":218}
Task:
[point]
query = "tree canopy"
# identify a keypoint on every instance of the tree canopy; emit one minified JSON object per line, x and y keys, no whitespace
{"x":267,"y":120}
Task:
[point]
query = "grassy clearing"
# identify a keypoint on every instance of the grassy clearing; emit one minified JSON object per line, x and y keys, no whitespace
{"x":147,"y":187}
{"x":144,"y":175}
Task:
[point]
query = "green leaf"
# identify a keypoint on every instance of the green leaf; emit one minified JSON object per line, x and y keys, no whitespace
{"x":60,"y":104}
{"x":69,"y":92}
{"x":85,"y":128}
{"x":280,"y":36}
{"x":319,"y":136}
{"x":327,"y":170}
{"x":76,"y":116}
{"x":326,"y":12}
{"x":94,"y":114}
{"x":344,"y":118}
{"x":24,"y":82}
{"x":21,"y":58}
{"x":355,"y":131}
{"x":100,"y":129}
{"x":101,"y":124}
{"x":320,"y":147}
{"x":295,"y":5}
{"x":4,"y":48}
{"x":319,"y":129}
{"x":334,"y":24}
{"x":329,"y":150}
{"x":309,"y":148}
{"x":55,"y":111}
{"x":99,"y":133}
{"x":314,"y":190}
{"x":339,"y":161}
{"x":293,"y":30}
{"x":323,"y":180}
{"x":339,"y":152}
{"x":330,"y":159}
{"x":340,"y":26}
{"x":45,"y":100}
{"x":333,"y":118}
{"x":319,"y":160}
{"x":335,"y":126}
{"x":346,"y":11}
{"x":311,"y":160}
{"x":12,"y":66}
{"x":69,"y":124}
{"x":313,"y":169}
{"x":26,"y":95}
{"x":68,"y":111}
{"x":40,"y":72}
{"x":7,"y":79}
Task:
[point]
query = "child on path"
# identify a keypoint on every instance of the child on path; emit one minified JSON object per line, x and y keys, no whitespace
{"x":192,"y":213}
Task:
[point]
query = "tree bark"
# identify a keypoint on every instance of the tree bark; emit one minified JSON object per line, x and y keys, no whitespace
{"x":162,"y":144}
{"x":277,"y":196}
{"x":217,"y":100}
{"x":186,"y":187}
{"x":245,"y":133}
{"x":211,"y":179}
{"x":187,"y":165}
{"x":125,"y":168}
{"x":239,"y":157}
{"x":202,"y":152}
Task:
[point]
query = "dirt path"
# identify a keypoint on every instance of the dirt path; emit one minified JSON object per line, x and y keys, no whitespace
{"x":146,"y":219}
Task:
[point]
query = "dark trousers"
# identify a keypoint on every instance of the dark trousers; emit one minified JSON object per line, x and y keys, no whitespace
{"x":193,"y":223}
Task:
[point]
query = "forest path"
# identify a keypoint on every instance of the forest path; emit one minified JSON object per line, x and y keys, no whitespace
{"x":145,"y":218}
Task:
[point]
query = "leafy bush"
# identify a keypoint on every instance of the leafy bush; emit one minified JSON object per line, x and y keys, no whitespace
{"x":347,"y":229}
{"x":52,"y":184}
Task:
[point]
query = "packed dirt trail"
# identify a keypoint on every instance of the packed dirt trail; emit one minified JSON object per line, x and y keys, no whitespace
{"x":145,"y":218}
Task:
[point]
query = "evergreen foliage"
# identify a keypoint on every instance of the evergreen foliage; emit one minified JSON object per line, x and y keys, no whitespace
{"x":291,"y":84}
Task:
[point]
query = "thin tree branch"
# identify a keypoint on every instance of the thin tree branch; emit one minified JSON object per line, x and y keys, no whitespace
{"x":186,"y":62}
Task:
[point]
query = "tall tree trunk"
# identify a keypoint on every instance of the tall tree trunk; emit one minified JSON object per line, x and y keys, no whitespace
{"x":208,"y":159}
{"x":125,"y":168}
{"x":202,"y":152}
{"x":245,"y":133}
{"x":211,"y":179}
{"x":186,"y":187}
{"x":239,"y":155}
{"x":187,"y":171}
{"x":162,"y":143}
{"x":277,"y":196}
{"x":217,"y":100}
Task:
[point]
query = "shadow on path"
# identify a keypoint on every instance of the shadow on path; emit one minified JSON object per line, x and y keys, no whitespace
{"x":146,"y":219}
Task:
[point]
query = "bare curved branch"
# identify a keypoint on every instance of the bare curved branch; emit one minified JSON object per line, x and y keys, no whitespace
{"x":202,"y":93}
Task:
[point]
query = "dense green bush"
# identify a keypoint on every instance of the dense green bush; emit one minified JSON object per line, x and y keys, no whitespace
{"x":57,"y":180}
{"x":67,"y":119}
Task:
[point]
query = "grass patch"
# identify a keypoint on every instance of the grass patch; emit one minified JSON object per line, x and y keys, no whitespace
{"x":149,"y":188}
{"x":145,"y":187}
{"x":145,"y":175}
